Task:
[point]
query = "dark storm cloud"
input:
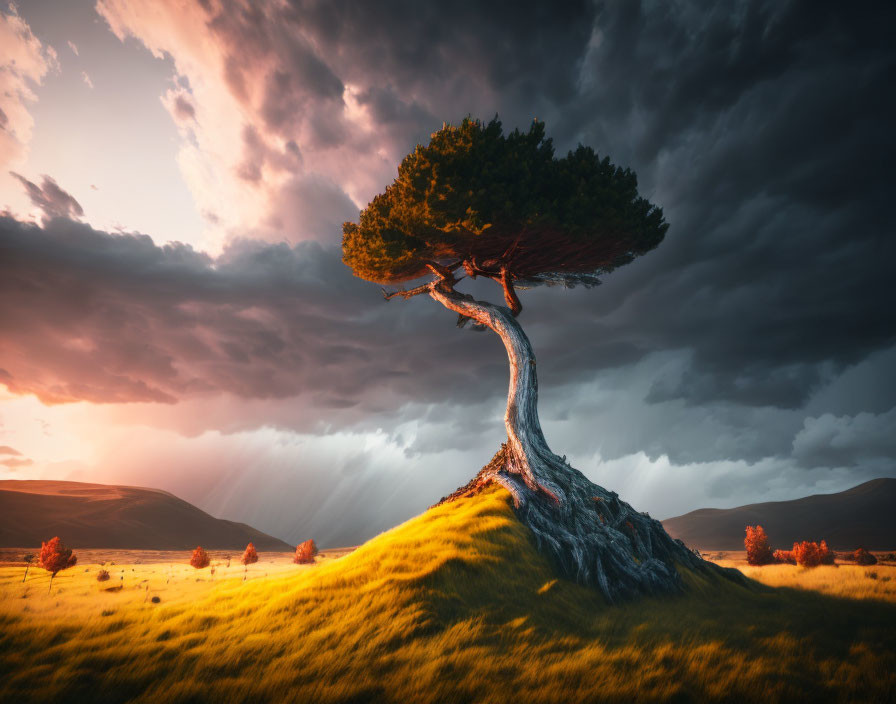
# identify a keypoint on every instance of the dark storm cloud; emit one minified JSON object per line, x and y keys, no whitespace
{"x":763,"y":129}
{"x":296,"y":83}
{"x":414,"y":64}
{"x":52,"y":200}
{"x":846,"y":440}
{"x":92,"y":316}
{"x":529,"y":48}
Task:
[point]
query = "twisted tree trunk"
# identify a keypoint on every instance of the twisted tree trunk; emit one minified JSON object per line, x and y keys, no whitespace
{"x":591,"y":535}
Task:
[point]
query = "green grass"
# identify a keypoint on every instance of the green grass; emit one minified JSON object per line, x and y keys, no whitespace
{"x":454,"y":605}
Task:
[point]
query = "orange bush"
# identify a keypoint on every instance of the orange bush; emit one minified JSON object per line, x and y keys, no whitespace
{"x":863,"y":557}
{"x":756,"y":543}
{"x":810,"y":554}
{"x":54,"y":557}
{"x":199,"y":559}
{"x":807,"y":554}
{"x":250,"y":557}
{"x":305,"y":553}
{"x":785,"y":556}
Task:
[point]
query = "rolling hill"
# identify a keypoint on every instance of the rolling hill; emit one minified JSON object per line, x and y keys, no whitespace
{"x":121,"y":517}
{"x":862,"y":516}
{"x":455,"y":605}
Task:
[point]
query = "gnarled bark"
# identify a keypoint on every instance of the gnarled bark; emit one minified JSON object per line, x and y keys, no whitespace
{"x":592,"y":535}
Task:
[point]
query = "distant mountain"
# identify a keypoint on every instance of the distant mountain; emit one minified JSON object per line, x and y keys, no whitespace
{"x":862,"y":516}
{"x":122,"y":517}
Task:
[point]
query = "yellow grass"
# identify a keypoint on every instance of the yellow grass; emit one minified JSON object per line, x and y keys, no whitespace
{"x":454,"y":605}
{"x":846,"y":581}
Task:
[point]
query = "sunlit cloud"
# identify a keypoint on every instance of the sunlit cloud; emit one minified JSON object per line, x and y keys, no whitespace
{"x":24,"y":64}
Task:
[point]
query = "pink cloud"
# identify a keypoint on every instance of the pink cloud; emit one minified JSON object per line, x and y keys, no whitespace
{"x":24,"y":64}
{"x":273,"y":105}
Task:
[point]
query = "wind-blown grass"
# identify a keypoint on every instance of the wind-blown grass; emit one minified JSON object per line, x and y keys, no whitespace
{"x":454,"y":605}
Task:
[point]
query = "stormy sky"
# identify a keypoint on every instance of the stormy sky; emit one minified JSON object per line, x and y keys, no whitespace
{"x":174,"y":311}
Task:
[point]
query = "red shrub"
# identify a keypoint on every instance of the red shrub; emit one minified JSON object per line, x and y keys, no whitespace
{"x":54,"y":556}
{"x":199,"y":559}
{"x":250,"y":557}
{"x":785,"y":556}
{"x":863,"y":557}
{"x":305,"y":553}
{"x":827,"y":555}
{"x":808,"y":554}
{"x":756,"y":543}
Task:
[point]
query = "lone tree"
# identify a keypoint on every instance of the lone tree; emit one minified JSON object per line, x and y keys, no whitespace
{"x":250,"y":557}
{"x":305,"y":553}
{"x":478,"y":203}
{"x":55,"y":557}
{"x":199,"y":558}
{"x":757,"y":547}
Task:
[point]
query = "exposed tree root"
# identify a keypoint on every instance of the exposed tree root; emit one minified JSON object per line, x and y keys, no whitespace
{"x":592,"y":536}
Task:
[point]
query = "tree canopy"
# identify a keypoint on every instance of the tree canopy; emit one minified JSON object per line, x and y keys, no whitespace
{"x":501,"y":206}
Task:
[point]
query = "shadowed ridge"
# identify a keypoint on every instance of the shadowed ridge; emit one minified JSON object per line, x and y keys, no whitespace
{"x":861,"y":516}
{"x":115,"y":517}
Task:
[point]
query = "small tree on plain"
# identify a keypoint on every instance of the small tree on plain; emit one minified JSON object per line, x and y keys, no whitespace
{"x":55,"y":557}
{"x":756,"y":543}
{"x":199,"y":558}
{"x":103,"y":576}
{"x":305,"y":553}
{"x":27,"y":558}
{"x":250,"y":557}
{"x":811,"y":554}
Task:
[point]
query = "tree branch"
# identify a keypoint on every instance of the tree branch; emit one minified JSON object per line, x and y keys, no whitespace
{"x":416,"y":291}
{"x":445,"y":273}
{"x":513,"y":301}
{"x":473,"y":270}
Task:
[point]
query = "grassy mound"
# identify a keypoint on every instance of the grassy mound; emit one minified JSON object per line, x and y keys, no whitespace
{"x":454,"y":605}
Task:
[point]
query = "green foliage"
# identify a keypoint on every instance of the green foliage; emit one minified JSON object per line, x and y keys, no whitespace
{"x":474,"y":194}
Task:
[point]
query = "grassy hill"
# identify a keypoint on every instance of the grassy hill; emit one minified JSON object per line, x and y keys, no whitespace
{"x":454,"y":605}
{"x":109,"y":516}
{"x":859,"y":517}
